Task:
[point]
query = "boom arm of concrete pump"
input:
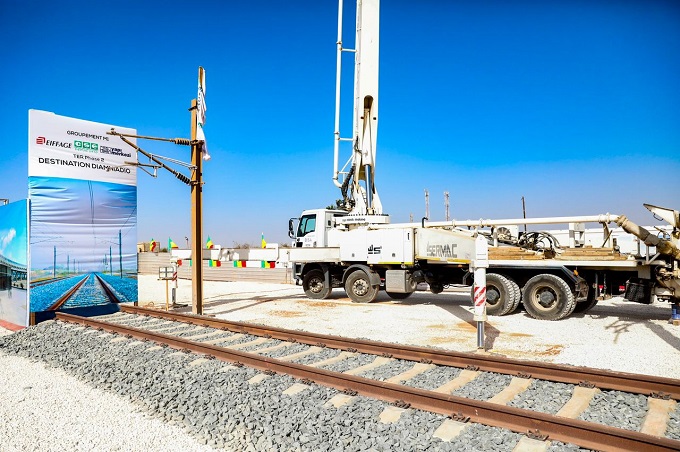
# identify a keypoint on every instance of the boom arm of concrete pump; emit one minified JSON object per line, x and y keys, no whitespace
{"x":662,"y":246}
{"x":357,"y":177}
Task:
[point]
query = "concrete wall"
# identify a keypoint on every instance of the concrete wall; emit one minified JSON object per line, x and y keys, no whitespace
{"x":149,"y":263}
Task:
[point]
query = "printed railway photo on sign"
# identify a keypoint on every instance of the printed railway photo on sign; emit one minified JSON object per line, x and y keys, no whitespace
{"x":83,"y":221}
{"x":13,"y":264}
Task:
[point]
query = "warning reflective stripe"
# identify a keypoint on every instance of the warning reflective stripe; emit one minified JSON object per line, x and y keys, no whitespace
{"x":480,"y":295}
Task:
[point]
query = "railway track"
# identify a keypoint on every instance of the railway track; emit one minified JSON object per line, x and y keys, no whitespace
{"x":108,"y":291}
{"x":280,"y":351}
{"x":68,"y":294}
{"x":46,"y":281}
{"x":90,"y":289}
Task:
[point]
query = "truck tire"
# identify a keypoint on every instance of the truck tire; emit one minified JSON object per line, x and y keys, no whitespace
{"x":359,"y":289}
{"x":314,"y":285}
{"x":436,"y":288}
{"x":500,"y":294}
{"x":516,"y":296}
{"x":548,"y":297}
{"x":398,"y":295}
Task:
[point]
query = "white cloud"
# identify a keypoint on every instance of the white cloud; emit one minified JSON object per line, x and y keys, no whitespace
{"x":7,"y":239}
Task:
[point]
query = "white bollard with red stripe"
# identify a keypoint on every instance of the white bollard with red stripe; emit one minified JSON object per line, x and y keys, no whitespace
{"x":481,"y":263}
{"x":174,"y":279}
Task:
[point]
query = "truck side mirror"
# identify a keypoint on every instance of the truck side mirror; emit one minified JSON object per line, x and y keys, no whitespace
{"x":291,"y":229}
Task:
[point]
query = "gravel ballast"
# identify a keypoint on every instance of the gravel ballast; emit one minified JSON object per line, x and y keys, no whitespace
{"x":534,"y":398}
{"x":216,"y":404}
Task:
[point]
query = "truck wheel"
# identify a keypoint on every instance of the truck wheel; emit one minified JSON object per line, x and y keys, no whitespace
{"x":314,"y":285}
{"x":398,"y":295}
{"x":548,"y":297}
{"x":358,"y":287}
{"x":516,"y":296}
{"x":500,"y":294}
{"x":436,"y":288}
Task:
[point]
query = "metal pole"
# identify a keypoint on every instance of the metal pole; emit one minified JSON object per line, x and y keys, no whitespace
{"x":524,"y":213}
{"x":120,"y":252}
{"x":481,"y":263}
{"x":482,"y":223}
{"x":427,"y":204}
{"x":338,"y":71}
{"x":196,"y":217}
{"x":174,"y":286}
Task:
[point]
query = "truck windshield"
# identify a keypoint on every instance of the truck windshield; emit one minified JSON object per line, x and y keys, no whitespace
{"x":307,"y":225}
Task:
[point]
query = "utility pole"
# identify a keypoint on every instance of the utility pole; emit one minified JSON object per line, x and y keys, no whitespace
{"x":427,"y":204}
{"x":120,"y":252}
{"x":446,"y":205}
{"x":54,"y":263}
{"x":524,"y":213}
{"x":196,"y":215}
{"x":195,"y":182}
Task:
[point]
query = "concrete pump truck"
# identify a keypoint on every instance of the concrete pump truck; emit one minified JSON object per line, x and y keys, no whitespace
{"x":355,"y":247}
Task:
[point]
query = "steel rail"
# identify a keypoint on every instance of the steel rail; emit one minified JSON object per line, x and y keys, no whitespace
{"x":586,"y":376}
{"x":108,"y":291}
{"x":49,"y":281}
{"x":68,"y":294}
{"x":541,"y":425}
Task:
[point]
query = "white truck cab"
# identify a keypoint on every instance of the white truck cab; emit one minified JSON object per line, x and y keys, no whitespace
{"x":313,"y":226}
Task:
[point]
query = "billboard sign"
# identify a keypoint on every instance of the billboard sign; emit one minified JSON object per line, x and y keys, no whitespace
{"x":83,"y":198}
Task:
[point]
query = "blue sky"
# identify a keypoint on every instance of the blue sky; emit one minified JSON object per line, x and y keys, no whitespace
{"x":573,"y":105}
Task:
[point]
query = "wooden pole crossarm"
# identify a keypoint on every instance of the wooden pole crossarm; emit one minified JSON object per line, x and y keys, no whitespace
{"x":179,"y":141}
{"x":151,"y":157}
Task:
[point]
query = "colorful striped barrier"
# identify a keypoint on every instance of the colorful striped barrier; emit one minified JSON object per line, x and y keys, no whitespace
{"x":254,"y":264}
{"x":237,"y":263}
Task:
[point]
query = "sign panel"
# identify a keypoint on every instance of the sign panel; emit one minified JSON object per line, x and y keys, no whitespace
{"x":14,"y":264}
{"x":83,"y":197}
{"x":439,"y":245}
{"x":73,"y":148}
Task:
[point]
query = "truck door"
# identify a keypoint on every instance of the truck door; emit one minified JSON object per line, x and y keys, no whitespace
{"x":306,"y":233}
